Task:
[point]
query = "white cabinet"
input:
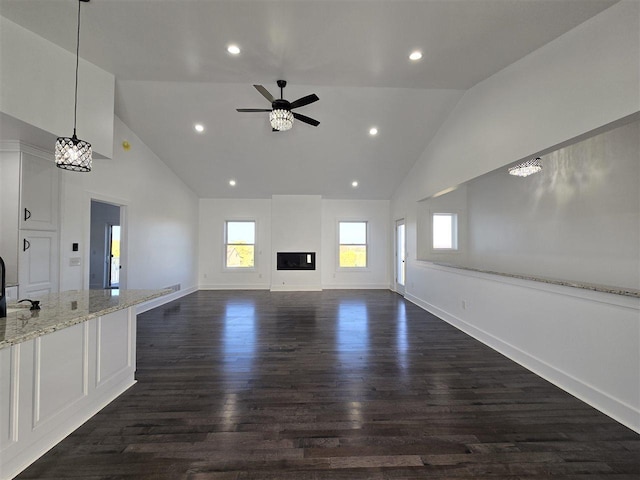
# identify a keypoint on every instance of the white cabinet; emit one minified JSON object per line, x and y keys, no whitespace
{"x":39,"y":193}
{"x":38,"y":263}
{"x":29,"y":211}
{"x":51,"y":385}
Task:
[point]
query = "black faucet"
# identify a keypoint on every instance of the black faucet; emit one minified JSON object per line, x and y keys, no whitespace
{"x":3,"y":294}
{"x":35,"y":304}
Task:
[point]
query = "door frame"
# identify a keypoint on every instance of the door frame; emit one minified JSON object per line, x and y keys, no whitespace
{"x":124,"y":235}
{"x":399,"y":287}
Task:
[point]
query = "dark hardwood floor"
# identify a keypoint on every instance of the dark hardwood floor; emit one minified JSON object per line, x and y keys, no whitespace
{"x":332,"y":385}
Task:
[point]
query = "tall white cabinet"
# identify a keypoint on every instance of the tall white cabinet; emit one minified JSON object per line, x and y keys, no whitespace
{"x":29,"y":215}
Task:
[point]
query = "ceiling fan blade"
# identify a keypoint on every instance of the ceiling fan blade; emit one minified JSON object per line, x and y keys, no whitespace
{"x":306,"y":119}
{"x":265,"y":93}
{"x":301,"y":102}
{"x":253,"y":109}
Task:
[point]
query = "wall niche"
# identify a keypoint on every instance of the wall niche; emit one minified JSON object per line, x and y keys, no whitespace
{"x":577,"y":220}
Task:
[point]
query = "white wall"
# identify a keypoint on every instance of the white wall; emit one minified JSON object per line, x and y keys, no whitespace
{"x":40,"y":91}
{"x":213,"y":214}
{"x":301,"y":223}
{"x":577,"y":220}
{"x":586,"y":343}
{"x":296,"y":226}
{"x":376,"y":214}
{"x":161,"y":217}
{"x":584,"y":79}
{"x":452,"y":202}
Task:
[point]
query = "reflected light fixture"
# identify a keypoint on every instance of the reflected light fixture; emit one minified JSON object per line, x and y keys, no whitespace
{"x":354,"y":184}
{"x":527,"y":168}
{"x":232,"y":183}
{"x":72,"y":153}
{"x":281,"y":120}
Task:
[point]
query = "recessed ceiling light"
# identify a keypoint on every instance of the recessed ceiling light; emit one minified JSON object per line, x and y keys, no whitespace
{"x":233,"y":49}
{"x":373,"y":131}
{"x":232,"y":183}
{"x":199,"y":127}
{"x":354,"y":184}
{"x":416,"y":55}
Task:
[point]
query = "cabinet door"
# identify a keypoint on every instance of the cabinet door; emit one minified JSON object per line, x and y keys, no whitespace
{"x":38,"y":263}
{"x":39,"y":195}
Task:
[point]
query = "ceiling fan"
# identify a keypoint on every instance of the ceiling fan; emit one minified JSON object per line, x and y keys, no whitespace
{"x":281,"y":116}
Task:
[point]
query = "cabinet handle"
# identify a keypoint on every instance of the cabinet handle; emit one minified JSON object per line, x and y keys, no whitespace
{"x":27,"y":214}
{"x":26,"y":244}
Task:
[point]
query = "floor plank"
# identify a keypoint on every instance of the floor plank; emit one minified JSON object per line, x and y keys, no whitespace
{"x":239,"y":385}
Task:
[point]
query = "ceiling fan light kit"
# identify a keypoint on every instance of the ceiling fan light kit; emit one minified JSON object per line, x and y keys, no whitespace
{"x":527,"y":168}
{"x":281,"y":120}
{"x":280,"y":116}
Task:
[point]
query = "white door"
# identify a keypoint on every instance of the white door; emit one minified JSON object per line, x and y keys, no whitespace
{"x":400,"y":256}
{"x":38,"y":266}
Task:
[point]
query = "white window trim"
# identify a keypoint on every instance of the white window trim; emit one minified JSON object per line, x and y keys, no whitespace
{"x":367,"y":244}
{"x":227,"y":269}
{"x":455,"y":231}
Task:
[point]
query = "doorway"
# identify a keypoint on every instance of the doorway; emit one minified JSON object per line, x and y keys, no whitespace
{"x":105,"y":246}
{"x":400,"y":257}
{"x":113,"y":256}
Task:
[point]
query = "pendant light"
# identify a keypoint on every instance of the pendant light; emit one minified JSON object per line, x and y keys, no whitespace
{"x":72,"y":153}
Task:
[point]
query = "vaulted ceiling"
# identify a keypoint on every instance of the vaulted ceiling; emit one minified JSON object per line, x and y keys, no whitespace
{"x":173,"y":70}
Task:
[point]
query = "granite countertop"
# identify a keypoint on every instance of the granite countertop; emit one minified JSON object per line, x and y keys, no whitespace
{"x":64,"y":309}
{"x":627,"y":292}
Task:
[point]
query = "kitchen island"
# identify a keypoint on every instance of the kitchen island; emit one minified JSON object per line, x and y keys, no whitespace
{"x":60,"y":365}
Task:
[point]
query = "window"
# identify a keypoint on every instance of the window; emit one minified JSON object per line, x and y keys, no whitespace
{"x":240,"y":244}
{"x":445,"y":231}
{"x":353,"y":244}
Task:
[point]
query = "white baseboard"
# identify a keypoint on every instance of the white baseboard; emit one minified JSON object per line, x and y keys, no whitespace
{"x":356,"y":286}
{"x":238,"y":286}
{"x":157,"y":302}
{"x":614,"y":408}
{"x":296,"y":288}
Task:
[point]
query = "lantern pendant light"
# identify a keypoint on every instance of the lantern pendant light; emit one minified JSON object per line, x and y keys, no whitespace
{"x":71,"y":152}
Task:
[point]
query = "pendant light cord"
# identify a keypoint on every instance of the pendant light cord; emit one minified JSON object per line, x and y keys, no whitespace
{"x":75,"y":102}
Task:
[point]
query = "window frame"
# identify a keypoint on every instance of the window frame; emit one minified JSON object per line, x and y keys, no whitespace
{"x":455,"y":241}
{"x":225,"y":245}
{"x":366,"y":245}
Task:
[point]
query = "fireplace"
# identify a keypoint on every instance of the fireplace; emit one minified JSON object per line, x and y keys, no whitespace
{"x":296,"y":261}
